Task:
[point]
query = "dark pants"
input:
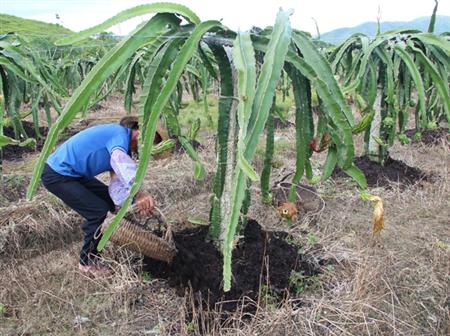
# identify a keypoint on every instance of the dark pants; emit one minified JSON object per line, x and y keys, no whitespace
{"x":87,"y":196}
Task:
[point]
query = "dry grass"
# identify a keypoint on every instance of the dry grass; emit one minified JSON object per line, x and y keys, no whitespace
{"x":47,"y":295}
{"x":36,"y":227}
{"x":397,"y":285}
{"x":172,"y":180}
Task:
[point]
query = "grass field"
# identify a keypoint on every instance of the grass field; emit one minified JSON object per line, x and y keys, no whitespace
{"x":33,"y":28}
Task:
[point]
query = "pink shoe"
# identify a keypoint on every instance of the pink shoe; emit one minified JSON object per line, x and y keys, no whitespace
{"x":97,"y":271}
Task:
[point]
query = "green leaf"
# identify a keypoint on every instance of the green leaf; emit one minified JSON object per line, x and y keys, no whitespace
{"x":304,"y":125}
{"x":5,"y":141}
{"x":30,"y":142}
{"x":158,"y":7}
{"x":9,"y":64}
{"x":193,"y":131}
{"x":433,"y":17}
{"x":163,"y":146}
{"x":355,"y":173}
{"x":440,"y":83}
{"x":435,"y":40}
{"x":223,"y":123}
{"x":315,"y":180}
{"x":342,"y":128}
{"x":247,"y":168}
{"x":162,"y":58}
{"x":364,"y":195}
{"x":207,"y":60}
{"x":268,"y":157}
{"x":268,"y":79}
{"x":371,"y":89}
{"x":199,"y":171}
{"x":338,"y":53}
{"x":192,"y":70}
{"x":415,"y":74}
{"x":364,"y":123}
{"x":244,"y":61}
{"x":130,"y":89}
{"x":367,"y":53}
{"x":322,"y":68}
{"x":330,"y":163}
{"x":21,"y":60}
{"x":197,"y":221}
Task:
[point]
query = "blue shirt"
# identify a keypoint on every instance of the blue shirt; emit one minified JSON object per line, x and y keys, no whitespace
{"x":88,"y":153}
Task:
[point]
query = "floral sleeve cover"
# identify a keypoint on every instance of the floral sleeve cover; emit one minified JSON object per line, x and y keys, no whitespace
{"x":125,"y":172}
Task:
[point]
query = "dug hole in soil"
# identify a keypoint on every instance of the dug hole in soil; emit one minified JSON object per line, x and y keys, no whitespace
{"x":383,"y":176}
{"x":260,"y":258}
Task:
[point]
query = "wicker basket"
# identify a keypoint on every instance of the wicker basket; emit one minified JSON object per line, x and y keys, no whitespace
{"x":134,"y":237}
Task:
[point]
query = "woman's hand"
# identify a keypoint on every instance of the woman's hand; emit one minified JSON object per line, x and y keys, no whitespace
{"x":145,"y":203}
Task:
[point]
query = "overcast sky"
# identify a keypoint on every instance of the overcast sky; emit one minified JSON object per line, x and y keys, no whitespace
{"x":236,"y":14}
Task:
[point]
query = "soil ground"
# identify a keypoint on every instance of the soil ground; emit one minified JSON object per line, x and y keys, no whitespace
{"x":16,"y":152}
{"x":260,"y":259}
{"x":393,"y":284}
{"x":431,"y":136}
{"x":392,"y":172}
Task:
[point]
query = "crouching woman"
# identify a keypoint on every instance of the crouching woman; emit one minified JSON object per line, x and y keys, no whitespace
{"x":70,"y":171}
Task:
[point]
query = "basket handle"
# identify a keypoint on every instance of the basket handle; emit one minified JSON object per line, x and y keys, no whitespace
{"x":168,"y":236}
{"x":133,"y":209}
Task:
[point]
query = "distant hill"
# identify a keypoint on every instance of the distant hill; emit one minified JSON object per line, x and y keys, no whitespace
{"x":31,"y":28}
{"x":370,"y":28}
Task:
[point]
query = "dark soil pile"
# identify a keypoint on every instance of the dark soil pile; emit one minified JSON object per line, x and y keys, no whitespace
{"x":382,"y":176}
{"x":261,"y":258}
{"x":16,"y":152}
{"x":431,"y":136}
